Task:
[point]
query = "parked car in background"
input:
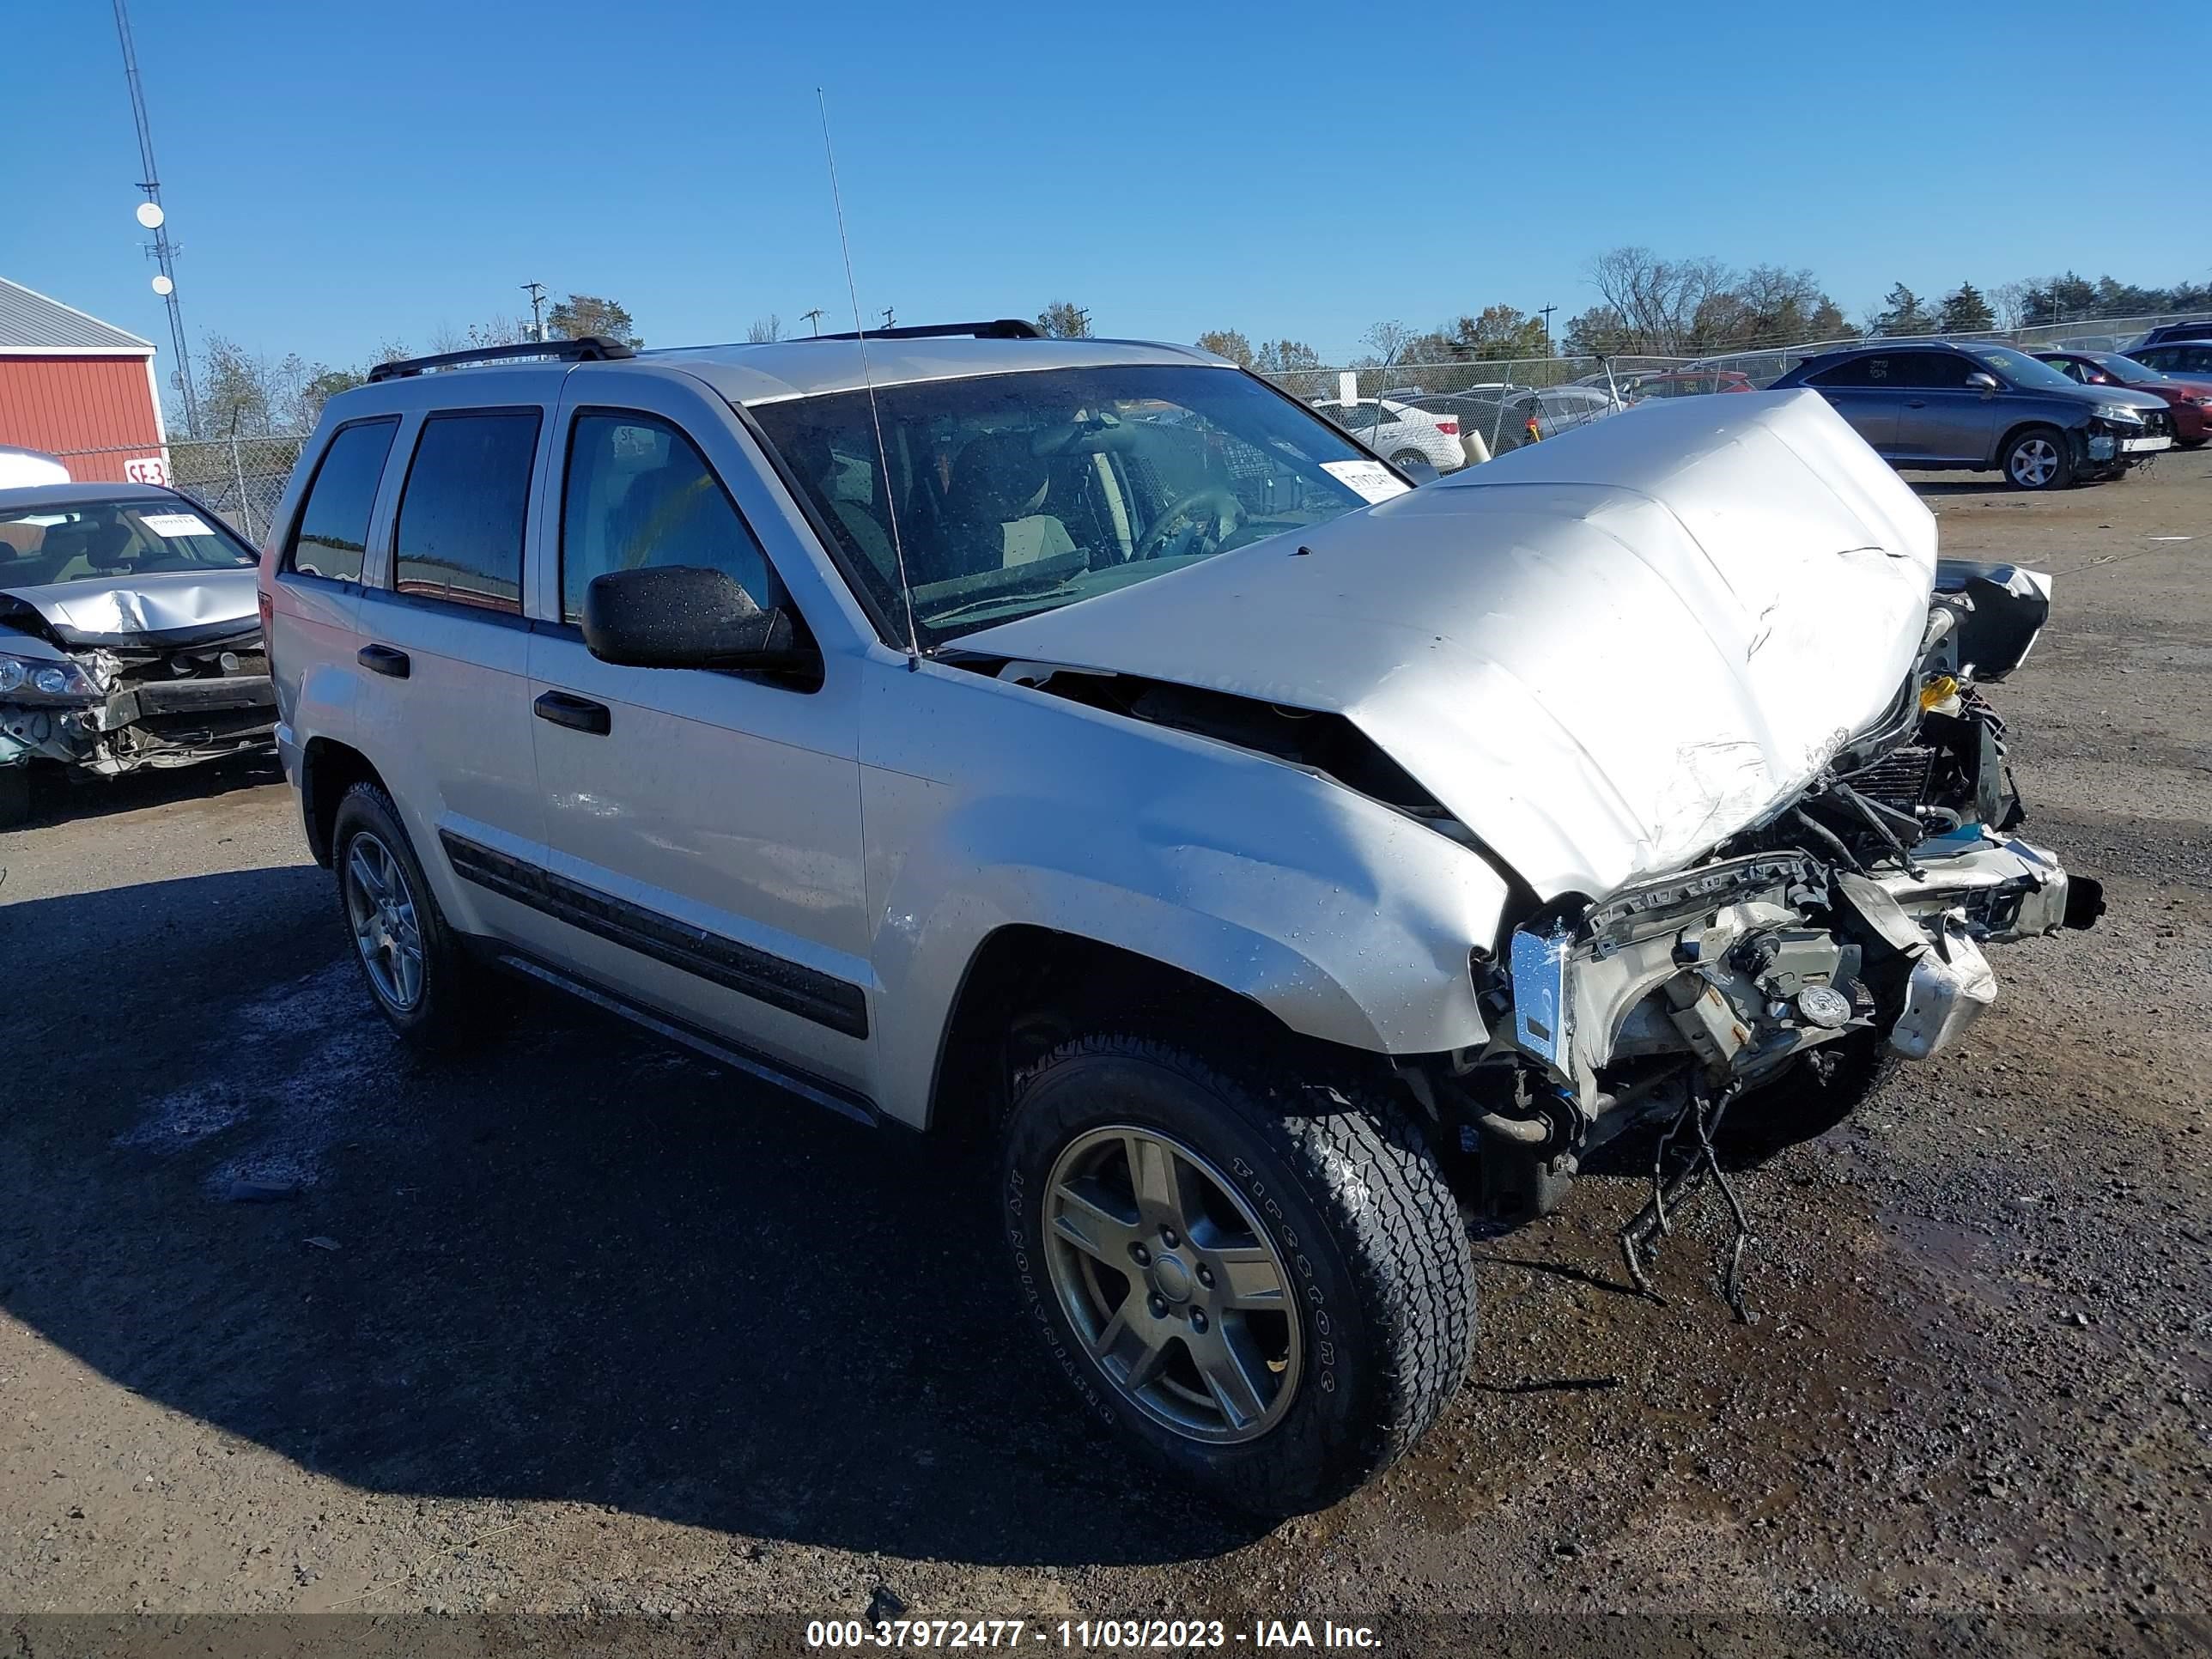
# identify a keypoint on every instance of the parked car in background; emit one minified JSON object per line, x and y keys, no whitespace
{"x":2186,"y":401}
{"x":1522,"y":415}
{"x":1939,"y":406}
{"x":20,"y":469}
{"x":2186,"y":360}
{"x":1686,"y":383}
{"x":1399,"y":430}
{"x":130,"y":635}
{"x":2166,"y":334}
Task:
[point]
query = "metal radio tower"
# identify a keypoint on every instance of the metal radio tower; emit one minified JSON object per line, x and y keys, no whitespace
{"x":154,"y":217}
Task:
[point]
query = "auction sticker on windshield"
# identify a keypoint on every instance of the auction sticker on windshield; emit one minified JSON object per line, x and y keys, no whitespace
{"x":1370,"y":481}
{"x":189,"y":524}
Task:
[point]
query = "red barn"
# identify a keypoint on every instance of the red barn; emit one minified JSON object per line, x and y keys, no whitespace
{"x":70,"y":382}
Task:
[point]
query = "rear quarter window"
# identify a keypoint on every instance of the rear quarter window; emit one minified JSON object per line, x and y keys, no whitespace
{"x":333,"y":527}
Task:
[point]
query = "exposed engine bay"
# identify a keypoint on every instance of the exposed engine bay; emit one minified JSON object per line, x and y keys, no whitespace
{"x":1852,"y":919}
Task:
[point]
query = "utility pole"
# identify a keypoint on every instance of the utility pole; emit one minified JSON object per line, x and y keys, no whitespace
{"x":537,"y":293}
{"x":1545,"y":311}
{"x":889,"y":321}
{"x":154,"y":217}
{"x":812,"y":320}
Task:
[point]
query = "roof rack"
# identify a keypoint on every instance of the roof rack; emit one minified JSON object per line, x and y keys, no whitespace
{"x":1005,"y":328}
{"x":592,"y":349}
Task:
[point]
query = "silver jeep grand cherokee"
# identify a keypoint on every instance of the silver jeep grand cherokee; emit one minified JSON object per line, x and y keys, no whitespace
{"x":1082,"y":746}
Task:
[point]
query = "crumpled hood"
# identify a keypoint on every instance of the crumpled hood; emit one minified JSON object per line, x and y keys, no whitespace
{"x":1603,"y":653}
{"x":152,"y":609}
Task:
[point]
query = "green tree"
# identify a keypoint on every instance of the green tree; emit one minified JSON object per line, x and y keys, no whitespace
{"x":1902,"y":312}
{"x":1965,"y":311}
{"x":1293,"y":365}
{"x":1227,"y":343}
{"x":582,"y":315}
{"x":1063,"y":320}
{"x":1500,"y":334}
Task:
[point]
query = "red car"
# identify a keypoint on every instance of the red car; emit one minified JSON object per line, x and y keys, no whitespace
{"x":2189,"y":400}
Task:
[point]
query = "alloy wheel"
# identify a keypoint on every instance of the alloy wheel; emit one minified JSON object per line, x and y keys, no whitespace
{"x":1172,"y":1284}
{"x":2034,"y":463}
{"x":381,"y":908}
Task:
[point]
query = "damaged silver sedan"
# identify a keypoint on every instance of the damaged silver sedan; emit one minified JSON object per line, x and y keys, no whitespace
{"x":130,"y":635}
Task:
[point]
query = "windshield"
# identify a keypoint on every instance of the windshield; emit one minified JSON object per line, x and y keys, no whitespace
{"x":2023,"y":370}
{"x":104,"y":541}
{"x":1018,"y":493}
{"x":2126,"y":368}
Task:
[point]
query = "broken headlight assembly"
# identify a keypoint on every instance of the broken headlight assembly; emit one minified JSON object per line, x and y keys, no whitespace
{"x":40,"y":680}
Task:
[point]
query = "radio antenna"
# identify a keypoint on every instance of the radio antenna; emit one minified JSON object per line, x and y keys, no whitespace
{"x":868,"y":379}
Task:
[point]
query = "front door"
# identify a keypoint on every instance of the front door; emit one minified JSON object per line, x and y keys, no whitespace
{"x":1941,"y":419}
{"x":703,"y":829}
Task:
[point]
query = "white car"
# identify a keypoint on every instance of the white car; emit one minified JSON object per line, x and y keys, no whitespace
{"x":1399,"y":430}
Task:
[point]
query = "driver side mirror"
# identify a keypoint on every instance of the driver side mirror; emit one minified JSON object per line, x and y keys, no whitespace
{"x":690,"y":617}
{"x":1985,"y":384}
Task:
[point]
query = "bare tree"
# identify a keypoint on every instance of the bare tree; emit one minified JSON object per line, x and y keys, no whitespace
{"x":1657,"y":300}
{"x":765,"y":330}
{"x":1388,"y":341}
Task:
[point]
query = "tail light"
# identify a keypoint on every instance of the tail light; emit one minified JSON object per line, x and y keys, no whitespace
{"x":268,"y":607}
{"x":1449,"y":428}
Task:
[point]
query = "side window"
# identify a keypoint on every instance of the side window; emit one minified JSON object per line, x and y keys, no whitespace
{"x":333,"y":527}
{"x":2197,"y":359}
{"x":1858,"y":372}
{"x":639,"y":493}
{"x":1933,"y":371}
{"x":2072,"y":367}
{"x":462,"y":513}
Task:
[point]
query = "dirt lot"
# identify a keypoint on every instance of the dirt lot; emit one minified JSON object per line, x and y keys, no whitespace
{"x":581,"y":1325}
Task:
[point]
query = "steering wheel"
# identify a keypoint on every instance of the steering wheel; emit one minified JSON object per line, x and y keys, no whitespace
{"x":1222,"y":503}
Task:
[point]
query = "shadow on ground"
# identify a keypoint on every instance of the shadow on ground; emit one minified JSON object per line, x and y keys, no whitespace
{"x":571,"y":1266}
{"x":63,"y":795}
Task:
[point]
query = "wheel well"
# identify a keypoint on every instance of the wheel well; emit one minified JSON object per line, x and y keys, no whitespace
{"x":1030,"y":989}
{"x":327,"y":770}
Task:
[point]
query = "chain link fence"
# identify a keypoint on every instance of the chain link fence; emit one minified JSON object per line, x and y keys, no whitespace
{"x":1762,"y":364}
{"x":240,"y":480}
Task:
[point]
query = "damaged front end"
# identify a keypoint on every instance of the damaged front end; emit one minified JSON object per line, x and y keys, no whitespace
{"x":1850,"y":919}
{"x":131,"y":701}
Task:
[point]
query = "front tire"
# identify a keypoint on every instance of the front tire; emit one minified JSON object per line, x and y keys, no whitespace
{"x":420,"y":979}
{"x":2037,"y":459}
{"x":1263,"y":1284}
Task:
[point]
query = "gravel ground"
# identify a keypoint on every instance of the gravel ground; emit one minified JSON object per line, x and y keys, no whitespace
{"x":582,"y":1326}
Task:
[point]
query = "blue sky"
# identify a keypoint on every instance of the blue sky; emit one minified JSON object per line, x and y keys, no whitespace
{"x":343,"y":173}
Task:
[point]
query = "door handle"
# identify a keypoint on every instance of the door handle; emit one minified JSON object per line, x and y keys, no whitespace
{"x":1916,"y":402}
{"x":383,"y":659}
{"x":577,"y":713}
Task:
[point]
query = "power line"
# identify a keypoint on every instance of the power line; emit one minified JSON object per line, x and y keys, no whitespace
{"x":163,"y":251}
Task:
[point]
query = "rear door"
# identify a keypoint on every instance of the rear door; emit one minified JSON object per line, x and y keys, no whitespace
{"x":444,"y":707}
{"x":1941,"y":419}
{"x":1863,"y":391}
{"x":703,"y":828}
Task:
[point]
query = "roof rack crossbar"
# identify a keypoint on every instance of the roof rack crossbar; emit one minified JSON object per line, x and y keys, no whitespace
{"x":592,"y":349}
{"x":1005,"y":328}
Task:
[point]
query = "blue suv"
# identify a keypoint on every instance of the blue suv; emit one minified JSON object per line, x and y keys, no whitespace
{"x":1933,"y":405}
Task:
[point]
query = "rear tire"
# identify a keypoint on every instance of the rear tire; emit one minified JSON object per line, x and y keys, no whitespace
{"x":2037,"y":459}
{"x":421,"y":979}
{"x":1327,"y":1194}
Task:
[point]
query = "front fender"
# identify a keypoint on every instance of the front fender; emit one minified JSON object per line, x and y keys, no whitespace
{"x":1347,"y":921}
